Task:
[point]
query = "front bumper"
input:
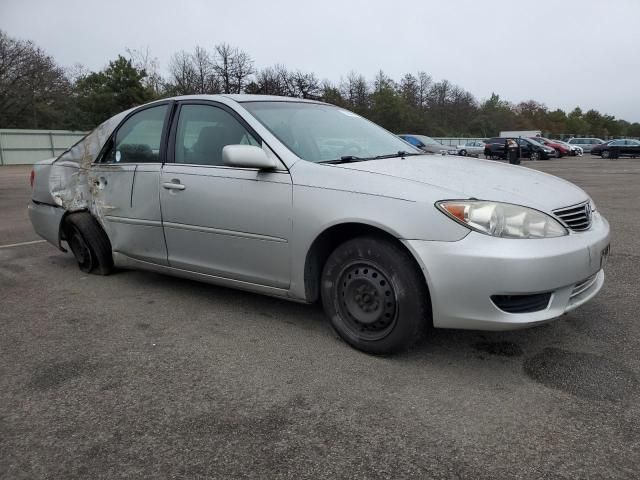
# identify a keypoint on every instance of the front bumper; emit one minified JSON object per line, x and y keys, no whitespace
{"x":463,"y":276}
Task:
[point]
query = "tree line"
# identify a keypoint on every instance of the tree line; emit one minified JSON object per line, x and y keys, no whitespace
{"x":36,"y":92}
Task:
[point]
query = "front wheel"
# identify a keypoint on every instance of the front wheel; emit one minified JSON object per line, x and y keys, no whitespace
{"x":534,"y":156}
{"x":463,"y":153}
{"x":374,"y":295}
{"x":605,"y":154}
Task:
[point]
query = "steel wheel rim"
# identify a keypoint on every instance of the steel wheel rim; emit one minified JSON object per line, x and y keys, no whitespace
{"x":81,"y":251}
{"x":367,"y":301}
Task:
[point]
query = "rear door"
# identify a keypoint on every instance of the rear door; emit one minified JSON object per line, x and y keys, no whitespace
{"x":126,"y":185}
{"x":223,"y":221}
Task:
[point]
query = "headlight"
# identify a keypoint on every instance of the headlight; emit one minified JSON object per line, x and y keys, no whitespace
{"x":502,"y":219}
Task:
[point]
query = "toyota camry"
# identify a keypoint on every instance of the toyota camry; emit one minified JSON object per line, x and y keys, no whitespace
{"x":310,"y":202}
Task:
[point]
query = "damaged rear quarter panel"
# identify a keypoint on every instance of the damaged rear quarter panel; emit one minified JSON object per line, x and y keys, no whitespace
{"x":73,"y":181}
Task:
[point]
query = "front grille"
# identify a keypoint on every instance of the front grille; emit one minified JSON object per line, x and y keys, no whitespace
{"x":583,"y":286}
{"x":522,"y":303}
{"x":575,"y":217}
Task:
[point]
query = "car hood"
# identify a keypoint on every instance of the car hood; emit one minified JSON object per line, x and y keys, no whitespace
{"x":467,"y":177}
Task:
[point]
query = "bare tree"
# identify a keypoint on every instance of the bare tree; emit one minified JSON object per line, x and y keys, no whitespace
{"x":424,"y":85}
{"x":242,"y":71}
{"x":183,"y":76}
{"x":143,"y":60}
{"x":233,"y":67}
{"x":305,"y":85}
{"x":274,"y":80}
{"x":33,"y":88}
{"x":206,"y":79}
{"x":355,"y":91}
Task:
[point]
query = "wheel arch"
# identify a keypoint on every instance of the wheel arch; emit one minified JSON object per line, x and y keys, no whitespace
{"x":63,"y":221}
{"x":333,"y":236}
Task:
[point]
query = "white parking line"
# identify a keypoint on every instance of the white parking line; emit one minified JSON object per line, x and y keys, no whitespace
{"x":22,"y":244}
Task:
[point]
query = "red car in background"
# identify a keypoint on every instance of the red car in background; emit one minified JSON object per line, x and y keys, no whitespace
{"x":558,"y":147}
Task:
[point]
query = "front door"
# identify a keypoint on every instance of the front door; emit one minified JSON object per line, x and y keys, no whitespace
{"x":126,"y":183}
{"x":228,"y":222}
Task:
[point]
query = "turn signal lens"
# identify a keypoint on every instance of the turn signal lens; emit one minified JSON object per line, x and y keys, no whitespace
{"x":454,"y":210}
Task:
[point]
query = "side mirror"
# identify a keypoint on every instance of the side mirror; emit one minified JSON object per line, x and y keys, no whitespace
{"x":247,"y":156}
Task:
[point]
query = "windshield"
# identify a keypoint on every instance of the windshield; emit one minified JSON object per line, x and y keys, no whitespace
{"x":535,"y":143}
{"x":320,"y":133}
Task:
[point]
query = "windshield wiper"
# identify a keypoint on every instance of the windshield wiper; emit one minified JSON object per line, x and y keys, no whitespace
{"x":353,"y":158}
{"x":401,"y":153}
{"x":346,"y":159}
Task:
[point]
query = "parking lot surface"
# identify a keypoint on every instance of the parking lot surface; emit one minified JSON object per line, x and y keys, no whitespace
{"x":139,"y":375}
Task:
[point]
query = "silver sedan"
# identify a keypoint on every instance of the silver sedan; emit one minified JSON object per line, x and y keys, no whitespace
{"x":474,"y":148}
{"x":308,"y":201}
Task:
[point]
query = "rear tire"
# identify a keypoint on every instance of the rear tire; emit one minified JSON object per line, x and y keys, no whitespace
{"x":89,"y":243}
{"x":374,"y":295}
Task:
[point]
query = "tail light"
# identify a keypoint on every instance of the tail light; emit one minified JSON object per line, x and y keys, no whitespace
{"x":32,"y":178}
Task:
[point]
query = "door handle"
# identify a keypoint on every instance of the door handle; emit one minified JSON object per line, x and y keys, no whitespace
{"x":174,"y":185}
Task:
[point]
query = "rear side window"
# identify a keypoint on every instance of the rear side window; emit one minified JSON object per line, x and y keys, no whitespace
{"x":139,"y":138}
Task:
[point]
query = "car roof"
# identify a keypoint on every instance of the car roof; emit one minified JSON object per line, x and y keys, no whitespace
{"x":242,"y":97}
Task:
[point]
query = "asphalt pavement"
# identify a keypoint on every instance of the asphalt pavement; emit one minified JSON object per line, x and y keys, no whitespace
{"x":140,"y":375}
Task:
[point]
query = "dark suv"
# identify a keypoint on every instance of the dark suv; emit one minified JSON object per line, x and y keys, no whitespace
{"x":494,"y":148}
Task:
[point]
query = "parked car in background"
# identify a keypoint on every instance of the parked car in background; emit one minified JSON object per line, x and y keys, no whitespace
{"x":621,"y":147}
{"x":241,"y":191}
{"x":474,"y":148}
{"x":560,"y":149}
{"x":574,"y":150}
{"x":428,"y":144}
{"x":494,"y":148}
{"x":585,"y":143}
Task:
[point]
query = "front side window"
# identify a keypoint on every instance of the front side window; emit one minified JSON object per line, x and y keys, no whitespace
{"x":204,"y":130}
{"x":139,"y":138}
{"x":318,"y":132}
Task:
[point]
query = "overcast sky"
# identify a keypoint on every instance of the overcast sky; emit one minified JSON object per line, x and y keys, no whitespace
{"x":562,"y":52}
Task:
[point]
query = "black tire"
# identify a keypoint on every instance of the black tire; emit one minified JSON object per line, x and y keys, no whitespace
{"x":89,"y":243}
{"x":463,"y":153}
{"x":605,"y":154}
{"x":374,"y":295}
{"x":534,"y":156}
